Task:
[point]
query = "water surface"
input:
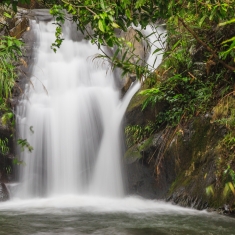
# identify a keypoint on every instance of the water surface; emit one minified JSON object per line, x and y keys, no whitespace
{"x":95,"y":215}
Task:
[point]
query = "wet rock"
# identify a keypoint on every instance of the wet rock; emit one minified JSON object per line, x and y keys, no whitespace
{"x":33,"y":4}
{"x":141,"y":161}
{"x":4,"y":194}
{"x":6,"y":158}
{"x":20,"y":27}
{"x":185,"y":169}
{"x":182,"y":198}
{"x":138,"y":53}
{"x":140,"y":177}
{"x":136,"y":116}
{"x":226,"y":208}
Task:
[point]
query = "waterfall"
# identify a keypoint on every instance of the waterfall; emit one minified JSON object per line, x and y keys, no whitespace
{"x":71,"y":115}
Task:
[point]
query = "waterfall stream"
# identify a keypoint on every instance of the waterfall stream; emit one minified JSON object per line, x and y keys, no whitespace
{"x":71,"y":115}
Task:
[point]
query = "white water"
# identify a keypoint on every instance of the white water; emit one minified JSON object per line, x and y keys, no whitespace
{"x":96,"y":204}
{"x":72,"y":116}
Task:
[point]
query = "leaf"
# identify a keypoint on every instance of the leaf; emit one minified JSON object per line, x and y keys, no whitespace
{"x":124,"y":56}
{"x":9,"y":43}
{"x":231,"y":187}
{"x":115,"y":54}
{"x":157,"y":50}
{"x":176,"y":44}
{"x":225,"y":191}
{"x":229,"y":40}
{"x":101,"y":25}
{"x":139,"y":3}
{"x":7,"y":15}
{"x":102,"y":4}
{"x":111,"y":17}
{"x":150,"y":91}
{"x":128,"y":13}
{"x":210,"y":190}
{"x":115,"y":25}
{"x":24,"y":144}
{"x":129,"y":44}
{"x":227,"y":22}
{"x":96,"y":17}
{"x":202,"y":20}
{"x":17,"y":162}
{"x":110,"y":42}
{"x":31,"y":129}
{"x":154,"y":62}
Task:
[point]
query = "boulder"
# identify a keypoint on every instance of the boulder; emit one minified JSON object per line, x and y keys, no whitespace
{"x":4,"y":194}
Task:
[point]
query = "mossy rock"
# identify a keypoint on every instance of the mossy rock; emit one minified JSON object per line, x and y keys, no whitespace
{"x":136,"y":101}
{"x":146,"y":144}
{"x":197,"y":169}
{"x":132,"y":154}
{"x":4,"y":194}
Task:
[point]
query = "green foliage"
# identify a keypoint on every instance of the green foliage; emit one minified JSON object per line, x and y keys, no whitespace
{"x":59,"y":14}
{"x":10,"y":57}
{"x":223,"y":115}
{"x":17,"y":162}
{"x":10,"y":52}
{"x":24,"y":144}
{"x":183,"y":95}
{"x":229,"y":44}
{"x":8,"y":119}
{"x":100,"y":21}
{"x":210,"y":190}
{"x":106,"y":18}
{"x":136,"y":134}
{"x":14,"y":3}
{"x":4,"y":149}
{"x":229,"y":186}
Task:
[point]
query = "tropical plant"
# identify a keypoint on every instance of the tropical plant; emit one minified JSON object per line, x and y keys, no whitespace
{"x":24,"y":144}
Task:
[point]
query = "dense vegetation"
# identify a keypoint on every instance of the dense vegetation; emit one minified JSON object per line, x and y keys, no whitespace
{"x":10,"y":60}
{"x":195,"y":78}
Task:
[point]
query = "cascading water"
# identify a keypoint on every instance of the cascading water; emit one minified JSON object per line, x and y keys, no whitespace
{"x":71,"y":114}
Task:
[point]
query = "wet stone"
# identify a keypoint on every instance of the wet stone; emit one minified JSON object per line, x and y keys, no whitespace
{"x":4,"y":194}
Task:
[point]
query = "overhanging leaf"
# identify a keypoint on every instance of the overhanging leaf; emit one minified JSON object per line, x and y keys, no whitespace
{"x":101,"y":25}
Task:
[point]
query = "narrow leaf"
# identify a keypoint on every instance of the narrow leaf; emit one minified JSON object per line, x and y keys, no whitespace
{"x":115,"y":25}
{"x":7,"y":15}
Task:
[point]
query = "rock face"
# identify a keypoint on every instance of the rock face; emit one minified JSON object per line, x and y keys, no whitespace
{"x":140,"y":174}
{"x":6,"y":156}
{"x":175,"y":165}
{"x":17,"y":26}
{"x":150,"y":175}
{"x":4,"y":194}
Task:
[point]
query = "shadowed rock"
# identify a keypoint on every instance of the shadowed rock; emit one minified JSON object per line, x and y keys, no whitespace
{"x":4,"y":194}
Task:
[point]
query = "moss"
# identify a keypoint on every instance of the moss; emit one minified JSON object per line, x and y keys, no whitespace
{"x":181,"y":180}
{"x":200,"y":137}
{"x":196,"y":170}
{"x":132,"y":154}
{"x":136,"y":101}
{"x":146,"y":144}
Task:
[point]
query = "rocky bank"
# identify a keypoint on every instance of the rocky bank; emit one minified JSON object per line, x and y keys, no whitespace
{"x":177,"y":165}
